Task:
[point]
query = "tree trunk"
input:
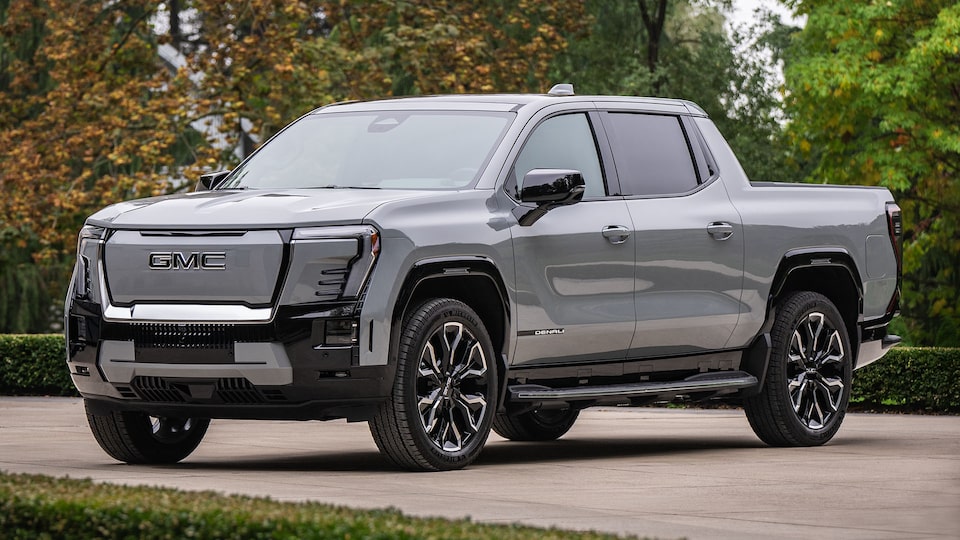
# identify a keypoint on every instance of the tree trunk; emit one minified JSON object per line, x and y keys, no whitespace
{"x":653,"y":22}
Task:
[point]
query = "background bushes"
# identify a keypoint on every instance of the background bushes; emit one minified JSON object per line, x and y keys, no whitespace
{"x":34,"y":364}
{"x":912,"y":379}
{"x":907,"y":378}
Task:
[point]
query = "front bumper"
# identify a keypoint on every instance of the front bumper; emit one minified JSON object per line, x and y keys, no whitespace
{"x":283,"y":369}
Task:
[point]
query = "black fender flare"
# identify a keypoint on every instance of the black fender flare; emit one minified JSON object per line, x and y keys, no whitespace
{"x":438,"y":268}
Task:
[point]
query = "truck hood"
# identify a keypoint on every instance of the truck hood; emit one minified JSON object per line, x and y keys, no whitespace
{"x":250,"y":209}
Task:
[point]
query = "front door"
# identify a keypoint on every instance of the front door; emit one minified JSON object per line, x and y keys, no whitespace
{"x":574,"y":274}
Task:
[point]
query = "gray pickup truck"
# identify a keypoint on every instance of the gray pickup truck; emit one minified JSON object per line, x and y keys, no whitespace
{"x":443,"y":266}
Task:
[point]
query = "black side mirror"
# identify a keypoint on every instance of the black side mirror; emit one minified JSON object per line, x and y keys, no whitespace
{"x":211,"y":180}
{"x":549,"y":189}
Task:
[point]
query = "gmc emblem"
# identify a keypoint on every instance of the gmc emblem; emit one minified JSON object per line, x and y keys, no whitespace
{"x":196,"y":260}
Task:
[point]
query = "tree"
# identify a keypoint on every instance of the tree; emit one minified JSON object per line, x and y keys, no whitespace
{"x":681,"y":49}
{"x":400,"y":48}
{"x":874,"y":89}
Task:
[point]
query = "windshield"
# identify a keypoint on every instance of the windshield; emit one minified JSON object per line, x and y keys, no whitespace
{"x":389,"y":150}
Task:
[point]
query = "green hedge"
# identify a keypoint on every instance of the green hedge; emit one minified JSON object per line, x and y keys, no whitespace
{"x":34,"y":364}
{"x":907,"y":378}
{"x":911,"y":379}
{"x":43,"y":507}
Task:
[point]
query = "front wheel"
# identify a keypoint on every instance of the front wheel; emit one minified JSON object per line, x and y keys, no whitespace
{"x":807,"y":388}
{"x":445,"y":391}
{"x":136,"y":437}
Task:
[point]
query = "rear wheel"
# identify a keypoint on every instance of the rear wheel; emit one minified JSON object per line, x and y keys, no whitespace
{"x":444,"y":394}
{"x":807,"y":387}
{"x":136,"y":437}
{"x":535,"y":425}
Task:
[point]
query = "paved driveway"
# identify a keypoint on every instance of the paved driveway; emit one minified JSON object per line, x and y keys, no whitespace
{"x":658,"y":472}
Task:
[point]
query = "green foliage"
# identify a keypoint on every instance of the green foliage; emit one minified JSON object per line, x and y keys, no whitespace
{"x":925,"y":379}
{"x":731,"y":76}
{"x":34,"y":365}
{"x":38,"y":506}
{"x":873,"y":99}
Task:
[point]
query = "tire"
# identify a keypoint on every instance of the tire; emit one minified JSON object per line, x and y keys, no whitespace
{"x":535,"y":425}
{"x":807,"y":387}
{"x":136,"y":438}
{"x":444,"y":394}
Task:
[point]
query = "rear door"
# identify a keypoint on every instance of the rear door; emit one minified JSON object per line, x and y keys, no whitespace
{"x":574,"y":278}
{"x":689,"y":238}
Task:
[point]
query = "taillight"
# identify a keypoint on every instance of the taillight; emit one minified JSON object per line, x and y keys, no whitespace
{"x":895,"y":230}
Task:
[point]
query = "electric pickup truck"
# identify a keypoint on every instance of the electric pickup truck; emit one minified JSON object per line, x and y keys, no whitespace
{"x":446,"y":265}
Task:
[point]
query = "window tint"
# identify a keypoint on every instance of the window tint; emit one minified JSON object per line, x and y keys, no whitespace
{"x":563,"y":142}
{"x":651,"y":154}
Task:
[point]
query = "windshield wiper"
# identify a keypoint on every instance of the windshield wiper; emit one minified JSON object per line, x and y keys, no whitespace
{"x":335,"y":186}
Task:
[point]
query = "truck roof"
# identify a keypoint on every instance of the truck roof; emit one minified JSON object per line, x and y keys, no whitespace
{"x":500,"y":102}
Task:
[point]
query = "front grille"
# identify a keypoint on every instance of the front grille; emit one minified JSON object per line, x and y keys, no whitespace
{"x":193,"y":336}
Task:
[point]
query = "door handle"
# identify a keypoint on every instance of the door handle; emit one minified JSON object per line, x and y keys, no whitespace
{"x":720,"y":230}
{"x":616,"y":234}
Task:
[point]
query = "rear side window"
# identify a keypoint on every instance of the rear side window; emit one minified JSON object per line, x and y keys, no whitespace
{"x":652,"y":154}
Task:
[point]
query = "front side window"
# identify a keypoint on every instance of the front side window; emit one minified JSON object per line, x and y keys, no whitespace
{"x":562,"y":142}
{"x":388,"y":150}
{"x":651,"y":153}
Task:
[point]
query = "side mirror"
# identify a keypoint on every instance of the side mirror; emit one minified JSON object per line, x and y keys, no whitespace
{"x":549,"y":189}
{"x":211,"y":180}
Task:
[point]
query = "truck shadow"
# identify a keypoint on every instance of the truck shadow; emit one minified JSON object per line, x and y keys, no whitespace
{"x":496,"y":453}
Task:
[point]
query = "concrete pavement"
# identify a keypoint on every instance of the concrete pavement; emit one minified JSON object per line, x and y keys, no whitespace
{"x":657,"y":472}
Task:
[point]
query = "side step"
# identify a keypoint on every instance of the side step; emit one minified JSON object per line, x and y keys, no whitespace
{"x":703,"y":382}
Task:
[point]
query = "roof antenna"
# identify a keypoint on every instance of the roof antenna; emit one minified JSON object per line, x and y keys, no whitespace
{"x":562,"y":89}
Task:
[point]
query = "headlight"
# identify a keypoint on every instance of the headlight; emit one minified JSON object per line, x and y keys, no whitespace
{"x":88,"y":248}
{"x":330,"y":263}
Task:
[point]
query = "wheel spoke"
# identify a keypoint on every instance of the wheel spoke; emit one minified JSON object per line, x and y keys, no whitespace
{"x":475,"y":366}
{"x":450,"y":344}
{"x":454,"y":430}
{"x":833,"y":354}
{"x":798,"y":352}
{"x":428,"y":406}
{"x":795,"y":387}
{"x":815,"y":332}
{"x":472,"y":407}
{"x":429,"y":366}
{"x":833,"y":389}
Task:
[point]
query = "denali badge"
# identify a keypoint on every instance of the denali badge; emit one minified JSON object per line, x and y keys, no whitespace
{"x":196,"y":260}
{"x":543,"y":332}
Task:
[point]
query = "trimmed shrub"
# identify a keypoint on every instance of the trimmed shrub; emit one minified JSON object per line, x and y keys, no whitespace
{"x":34,"y":364}
{"x":43,"y":507}
{"x":911,"y":378}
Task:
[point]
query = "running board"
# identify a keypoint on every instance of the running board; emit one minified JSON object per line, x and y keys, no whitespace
{"x":704,"y":382}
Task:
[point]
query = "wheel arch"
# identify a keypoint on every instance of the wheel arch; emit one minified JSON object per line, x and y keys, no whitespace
{"x":831,"y":272}
{"x":475,"y":281}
